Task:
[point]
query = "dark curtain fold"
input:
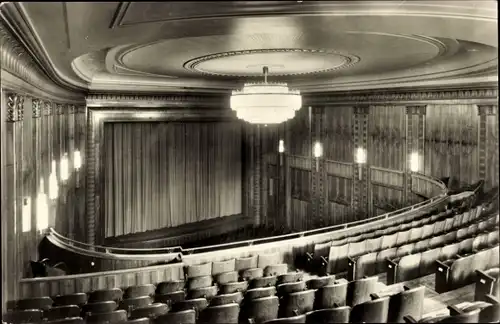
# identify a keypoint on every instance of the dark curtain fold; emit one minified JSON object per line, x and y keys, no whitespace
{"x":167,"y":174}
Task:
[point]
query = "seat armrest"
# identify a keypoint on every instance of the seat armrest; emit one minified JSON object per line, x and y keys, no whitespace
{"x":482,"y":275}
{"x":351,"y":268}
{"x":409,"y":319}
{"x":454,"y":310}
{"x":442,"y":275}
{"x":491,"y":299}
{"x":392,"y":271}
{"x":374,"y":296}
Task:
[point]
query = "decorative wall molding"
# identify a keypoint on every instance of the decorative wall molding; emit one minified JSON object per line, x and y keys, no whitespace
{"x":15,"y":107}
{"x":487,"y":110}
{"x":21,"y":73}
{"x":416,"y":110}
{"x":150,"y":101}
{"x":401,"y":96}
{"x":37,"y":106}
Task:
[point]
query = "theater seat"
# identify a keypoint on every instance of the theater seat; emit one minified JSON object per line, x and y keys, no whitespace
{"x":23,"y":316}
{"x":262,"y":309}
{"x":252,"y":273}
{"x":297,"y":303}
{"x":245,"y":263}
{"x":114,"y":294}
{"x":300,"y":319}
{"x":263,"y":282}
{"x":204,"y":292}
{"x":171,"y":298}
{"x":331,"y":296}
{"x":372,"y":311}
{"x":78,"y":299}
{"x":35,"y":303}
{"x":68,"y":320}
{"x":330,"y":315}
{"x":135,"y":302}
{"x":182,"y":317}
{"x":359,"y":291}
{"x":153,"y":310}
{"x":111,"y":317}
{"x":226,"y":277}
{"x":319,"y":282}
{"x":290,"y":287}
{"x":199,"y":282}
{"x":232,"y":287}
{"x":100,"y":307}
{"x":197,"y":304}
{"x":236,"y":297}
{"x":276,"y":269}
{"x":166,"y":287}
{"x":221,"y":314}
{"x":290,"y":277}
{"x":59,"y":312}
{"x":140,"y":290}
{"x":260,"y":293}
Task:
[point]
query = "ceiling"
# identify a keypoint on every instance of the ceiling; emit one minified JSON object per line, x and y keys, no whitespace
{"x":217,"y":46}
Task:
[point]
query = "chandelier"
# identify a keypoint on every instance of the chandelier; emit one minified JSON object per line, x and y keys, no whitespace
{"x":265,"y":103}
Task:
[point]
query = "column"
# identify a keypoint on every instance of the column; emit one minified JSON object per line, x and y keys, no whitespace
{"x":318,"y":172}
{"x":488,"y":144}
{"x":37,"y":107}
{"x":415,"y":141}
{"x":257,"y":150}
{"x":361,"y":177}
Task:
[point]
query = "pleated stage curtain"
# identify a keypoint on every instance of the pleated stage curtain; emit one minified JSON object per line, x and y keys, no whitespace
{"x":162,"y":175}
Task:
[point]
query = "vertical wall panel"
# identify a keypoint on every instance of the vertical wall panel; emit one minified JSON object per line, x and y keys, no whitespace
{"x":338,"y":144}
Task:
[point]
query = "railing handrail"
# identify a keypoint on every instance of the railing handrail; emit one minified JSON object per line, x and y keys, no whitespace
{"x":268,"y":239}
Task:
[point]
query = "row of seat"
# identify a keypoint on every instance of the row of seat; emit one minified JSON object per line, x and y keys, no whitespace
{"x":487,"y":311}
{"x":423,"y":263}
{"x":376,"y":262}
{"x":460,"y":270}
{"x":338,"y":255}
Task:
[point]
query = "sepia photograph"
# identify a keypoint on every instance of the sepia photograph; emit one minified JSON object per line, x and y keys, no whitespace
{"x":249,"y":162}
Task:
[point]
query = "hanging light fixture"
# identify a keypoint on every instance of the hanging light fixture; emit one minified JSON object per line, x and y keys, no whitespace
{"x":265,"y":103}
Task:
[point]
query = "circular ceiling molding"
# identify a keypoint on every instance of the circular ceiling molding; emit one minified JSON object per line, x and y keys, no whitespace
{"x":281,"y":62}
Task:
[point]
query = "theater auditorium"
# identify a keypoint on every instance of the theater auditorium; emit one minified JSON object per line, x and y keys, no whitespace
{"x":249,"y":162}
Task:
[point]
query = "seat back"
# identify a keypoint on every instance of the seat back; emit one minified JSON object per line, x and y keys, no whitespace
{"x":427,"y":261}
{"x":113,"y":294}
{"x":223,"y":266}
{"x":225,"y":277}
{"x":468,"y":317}
{"x":290,"y":287}
{"x":252,"y":273}
{"x":245,"y":263}
{"x":224,"y":299}
{"x":167,"y":287}
{"x":260,"y":292}
{"x":100,"y":307}
{"x":199,"y":282}
{"x":110,"y":317}
{"x":290,"y":277}
{"x":409,"y":267}
{"x":337,"y":258}
{"x":356,"y":248}
{"x":142,"y":320}
{"x":23,"y":316}
{"x":408,"y":302}
{"x":197,"y":304}
{"x":59,"y":312}
{"x":171,"y":298}
{"x":263,"y":282}
{"x":150,"y":311}
{"x":372,"y":311}
{"x":262,"y":309}
{"x":132,"y":303}
{"x":366,"y":265}
{"x":403,"y":237}
{"x":416,"y":233}
{"x":297,"y":303}
{"x":329,"y":315}
{"x":205,"y":292}
{"x":183,"y":317}
{"x":232,"y":287}
{"x":198,"y":270}
{"x":381,"y":258}
{"x":139,"y":291}
{"x":268,"y":259}
{"x":78,"y":299}
{"x":358,"y":291}
{"x":220,"y":314}
{"x":67,"y":320}
{"x":276,"y":269}
{"x":319,"y":282}
{"x":300,"y":319}
{"x":331,"y":295}
{"x":35,"y":303}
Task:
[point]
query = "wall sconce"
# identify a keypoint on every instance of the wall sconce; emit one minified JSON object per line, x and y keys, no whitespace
{"x":77,"y":164}
{"x":318,"y":152}
{"x":26,"y":214}
{"x":64,"y":167}
{"x":281,"y":150}
{"x":414,"y":162}
{"x":42,"y":209}
{"x":53,"y":186}
{"x":360,"y":159}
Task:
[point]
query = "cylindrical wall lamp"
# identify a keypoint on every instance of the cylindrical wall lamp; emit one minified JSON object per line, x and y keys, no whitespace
{"x":77,"y":164}
{"x":318,"y":152}
{"x":281,"y":150}
{"x":360,"y":159}
{"x":53,"y":186}
{"x":26,"y":214}
{"x":42,"y":209}
{"x":414,"y":162}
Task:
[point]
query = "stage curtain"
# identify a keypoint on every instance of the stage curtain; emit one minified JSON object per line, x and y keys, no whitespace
{"x":161,"y":175}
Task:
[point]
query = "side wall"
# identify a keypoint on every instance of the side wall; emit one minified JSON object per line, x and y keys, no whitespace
{"x":455,"y":134}
{"x":40,"y":123}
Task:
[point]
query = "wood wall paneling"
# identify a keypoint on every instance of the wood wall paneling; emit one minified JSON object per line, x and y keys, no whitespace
{"x":338,"y":140}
